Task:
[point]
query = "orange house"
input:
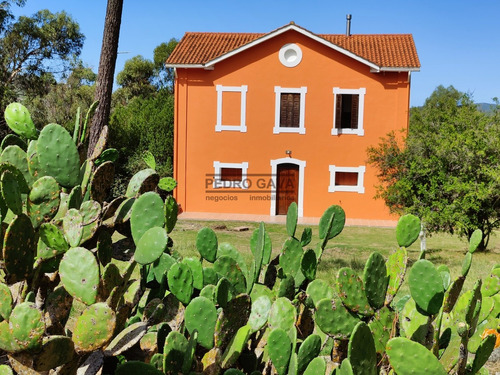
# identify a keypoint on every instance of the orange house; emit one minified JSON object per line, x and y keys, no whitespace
{"x":262,"y":120}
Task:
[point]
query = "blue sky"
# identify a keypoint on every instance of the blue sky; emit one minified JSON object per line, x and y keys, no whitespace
{"x":458,"y":42}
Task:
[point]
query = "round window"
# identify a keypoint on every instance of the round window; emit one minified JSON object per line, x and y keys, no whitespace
{"x":290,"y":55}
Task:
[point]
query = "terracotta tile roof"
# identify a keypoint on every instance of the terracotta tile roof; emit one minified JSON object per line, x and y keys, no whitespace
{"x":382,"y":50}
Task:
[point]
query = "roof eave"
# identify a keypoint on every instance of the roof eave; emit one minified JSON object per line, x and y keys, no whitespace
{"x":184,"y":66}
{"x":394,"y":69}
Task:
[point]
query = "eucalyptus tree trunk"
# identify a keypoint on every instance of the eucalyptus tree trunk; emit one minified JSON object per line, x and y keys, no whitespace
{"x":105,"y":75}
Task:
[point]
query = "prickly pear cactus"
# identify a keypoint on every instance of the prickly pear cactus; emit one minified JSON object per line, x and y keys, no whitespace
{"x":79,"y":273}
{"x":94,"y":328}
{"x":19,"y":120}
{"x":201,"y":316}
{"x":58,"y":156}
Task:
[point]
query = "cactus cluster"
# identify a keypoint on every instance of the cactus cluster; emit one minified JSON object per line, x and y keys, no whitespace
{"x":65,"y":306}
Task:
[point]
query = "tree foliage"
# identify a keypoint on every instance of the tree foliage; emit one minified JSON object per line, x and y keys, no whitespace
{"x":136,"y":78}
{"x":63,"y":98}
{"x":447,"y":169}
{"x":32,"y":47}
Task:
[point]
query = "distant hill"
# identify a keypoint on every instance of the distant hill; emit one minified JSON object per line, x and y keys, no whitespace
{"x":485,"y":107}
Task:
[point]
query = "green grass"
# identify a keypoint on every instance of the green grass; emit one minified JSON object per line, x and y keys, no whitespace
{"x":351,"y":248}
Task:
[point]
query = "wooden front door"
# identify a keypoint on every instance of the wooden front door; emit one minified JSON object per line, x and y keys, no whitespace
{"x":287,"y":189}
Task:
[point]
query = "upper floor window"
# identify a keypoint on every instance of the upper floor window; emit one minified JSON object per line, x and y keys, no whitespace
{"x":290,"y":108}
{"x":348,"y":111}
{"x":231,"y":108}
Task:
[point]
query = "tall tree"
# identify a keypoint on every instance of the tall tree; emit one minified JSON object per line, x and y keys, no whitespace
{"x":447,"y":170}
{"x":105,"y":74}
{"x":136,"y":78}
{"x":164,"y":77}
{"x":33,"y":50}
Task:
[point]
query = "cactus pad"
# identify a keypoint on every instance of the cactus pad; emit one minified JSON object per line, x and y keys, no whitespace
{"x":232,"y":317}
{"x":167,"y":183}
{"x":317,"y":290}
{"x":11,"y":140}
{"x":291,"y":256}
{"x":337,"y":225}
{"x":282,"y":315}
{"x":291,"y":219}
{"x":18,"y":158}
{"x":94,"y":328}
{"x":79,"y":273}
{"x":266,"y":252}
{"x":19,"y":120}
{"x":334,"y":319}
{"x":10,"y":192}
{"x":352,"y":292}
{"x":361,"y":350}
{"x":206,"y":243}
{"x":58,"y":155}
{"x":73,"y":227}
{"x":201,"y":316}
{"x":51,"y":242}
{"x":475,"y":240}
{"x":43,"y":202}
{"x":375,"y":280}
{"x":261,"y":307}
{"x":147,"y":212}
{"x":5,"y":301}
{"x":407,"y":230}
{"x":143,"y":181}
{"x":236,"y":346}
{"x":151,"y":245}
{"x":426,"y":286}
{"x":396,"y":269}
{"x":126,"y":339}
{"x":309,"y":264}
{"x":171,"y":212}
{"x":101,"y":182}
{"x":19,"y":248}
{"x":161,"y":266}
{"x":175,"y":347}
{"x":27,"y":325}
{"x":196,"y":270}
{"x":382,"y":327}
{"x":229,"y":268}
{"x":309,"y":349}
{"x":316,"y":366}
{"x":280,"y":349}
{"x":55,"y":351}
{"x":180,"y":282}
{"x":408,"y":357}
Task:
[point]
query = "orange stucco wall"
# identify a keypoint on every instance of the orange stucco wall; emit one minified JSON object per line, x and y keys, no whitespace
{"x":198,"y":145}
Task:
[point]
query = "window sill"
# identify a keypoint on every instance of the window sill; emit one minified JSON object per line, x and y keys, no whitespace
{"x":359,"y":132}
{"x":231,"y":128}
{"x":277,"y":130}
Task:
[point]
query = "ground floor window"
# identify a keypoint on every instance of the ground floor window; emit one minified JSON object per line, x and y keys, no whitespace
{"x":230,"y":175}
{"x":346,"y":179}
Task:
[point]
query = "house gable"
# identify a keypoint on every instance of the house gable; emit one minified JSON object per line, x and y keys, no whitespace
{"x":395,"y":52}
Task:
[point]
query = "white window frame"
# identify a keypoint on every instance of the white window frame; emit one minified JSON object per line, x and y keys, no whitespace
{"x":361,"y":110}
{"x":290,"y":90}
{"x":219,"y":184}
{"x":274,"y":174}
{"x":243,"y":91}
{"x":359,"y":188}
